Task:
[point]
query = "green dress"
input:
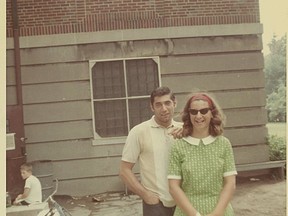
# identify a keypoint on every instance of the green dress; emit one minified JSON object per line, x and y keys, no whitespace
{"x":202,"y":164}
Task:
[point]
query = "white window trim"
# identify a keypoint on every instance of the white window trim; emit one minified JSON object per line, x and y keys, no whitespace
{"x":97,"y":140}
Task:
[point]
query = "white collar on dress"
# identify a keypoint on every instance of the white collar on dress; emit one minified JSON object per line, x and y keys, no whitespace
{"x":195,"y":141}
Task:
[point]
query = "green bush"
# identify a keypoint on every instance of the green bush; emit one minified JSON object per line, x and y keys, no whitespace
{"x":277,"y":147}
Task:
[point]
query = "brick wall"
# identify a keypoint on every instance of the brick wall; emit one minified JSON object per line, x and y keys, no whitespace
{"x":43,"y":17}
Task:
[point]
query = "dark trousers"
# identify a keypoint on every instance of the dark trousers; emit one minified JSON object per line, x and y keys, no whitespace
{"x":157,"y":210}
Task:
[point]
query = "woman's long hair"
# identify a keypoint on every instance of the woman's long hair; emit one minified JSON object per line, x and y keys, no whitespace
{"x":217,"y":120}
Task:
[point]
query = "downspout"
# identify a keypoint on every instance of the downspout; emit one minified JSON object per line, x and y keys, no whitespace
{"x":17,"y":64}
{"x":17,"y":53}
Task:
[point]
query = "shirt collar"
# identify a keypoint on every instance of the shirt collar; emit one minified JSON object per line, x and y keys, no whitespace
{"x":154,"y":123}
{"x":195,"y":141}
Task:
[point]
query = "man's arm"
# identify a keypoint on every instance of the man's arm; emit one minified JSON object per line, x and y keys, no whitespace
{"x":176,"y":132}
{"x":134,"y":185}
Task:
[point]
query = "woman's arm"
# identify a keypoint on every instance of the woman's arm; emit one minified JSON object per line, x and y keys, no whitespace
{"x":180,"y":198}
{"x":225,"y":195}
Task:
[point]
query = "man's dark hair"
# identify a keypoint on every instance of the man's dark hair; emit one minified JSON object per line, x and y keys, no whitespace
{"x":161,"y":91}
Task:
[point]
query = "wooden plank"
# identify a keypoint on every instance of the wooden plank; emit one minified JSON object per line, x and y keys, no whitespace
{"x":242,"y":98}
{"x":55,"y":112}
{"x":10,"y":76}
{"x":251,"y":154}
{"x":216,"y":44}
{"x":211,"y":63}
{"x":11,"y":95}
{"x":9,"y":57}
{"x":71,"y":149}
{"x":246,"y":117}
{"x":230,"y":99}
{"x":58,"y":131}
{"x":214,"y":81}
{"x":24,"y":210}
{"x":88,"y":186}
{"x":45,"y":55}
{"x":246,"y":136}
{"x":86,"y":168}
{"x":262,"y":165}
{"x":55,"y":72}
{"x":55,"y":92}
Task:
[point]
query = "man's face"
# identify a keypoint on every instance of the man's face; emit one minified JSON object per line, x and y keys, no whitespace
{"x":163,"y":108}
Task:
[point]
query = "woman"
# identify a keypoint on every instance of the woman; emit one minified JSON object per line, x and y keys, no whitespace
{"x":201,"y":165}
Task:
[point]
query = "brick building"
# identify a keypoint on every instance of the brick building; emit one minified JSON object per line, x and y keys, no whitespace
{"x":81,"y":73}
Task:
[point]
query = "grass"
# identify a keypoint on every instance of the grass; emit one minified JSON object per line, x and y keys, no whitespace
{"x":278,"y":129}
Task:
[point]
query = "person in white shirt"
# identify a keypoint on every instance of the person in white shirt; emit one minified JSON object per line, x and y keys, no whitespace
{"x":32,"y":190}
{"x":149,"y":143}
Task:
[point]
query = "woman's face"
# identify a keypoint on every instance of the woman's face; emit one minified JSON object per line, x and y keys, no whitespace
{"x":200,"y":121}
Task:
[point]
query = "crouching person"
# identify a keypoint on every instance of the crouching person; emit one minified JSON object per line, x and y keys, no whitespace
{"x":32,"y":190}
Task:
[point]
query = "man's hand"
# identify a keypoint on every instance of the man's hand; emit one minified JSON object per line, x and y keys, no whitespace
{"x":151,"y":198}
{"x":176,"y":132}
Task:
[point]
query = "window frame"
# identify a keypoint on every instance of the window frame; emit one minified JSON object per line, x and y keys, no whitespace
{"x":97,"y":140}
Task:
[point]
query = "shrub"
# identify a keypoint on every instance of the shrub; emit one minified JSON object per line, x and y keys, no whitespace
{"x":277,"y":147}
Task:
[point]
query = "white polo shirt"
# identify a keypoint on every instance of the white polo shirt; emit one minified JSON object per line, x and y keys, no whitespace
{"x":149,"y":143}
{"x":35,"y":194}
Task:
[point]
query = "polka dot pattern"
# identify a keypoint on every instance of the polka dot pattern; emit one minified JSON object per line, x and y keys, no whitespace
{"x":201,"y":168}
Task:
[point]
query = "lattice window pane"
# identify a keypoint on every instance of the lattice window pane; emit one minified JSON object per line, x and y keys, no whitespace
{"x":108,"y":80}
{"x":142,"y":76}
{"x":139,"y":111}
{"x":111,"y":118}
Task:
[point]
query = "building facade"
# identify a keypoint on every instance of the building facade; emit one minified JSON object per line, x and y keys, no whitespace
{"x":83,"y":71}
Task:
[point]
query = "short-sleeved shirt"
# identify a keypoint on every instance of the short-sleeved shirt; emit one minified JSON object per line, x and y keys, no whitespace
{"x":149,"y":143}
{"x":201,"y":164}
{"x":35,"y":194}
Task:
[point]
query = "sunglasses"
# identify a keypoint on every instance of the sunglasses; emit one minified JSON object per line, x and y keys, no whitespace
{"x":202,"y":111}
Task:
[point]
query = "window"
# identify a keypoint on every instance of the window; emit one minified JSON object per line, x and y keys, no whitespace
{"x":121,"y":94}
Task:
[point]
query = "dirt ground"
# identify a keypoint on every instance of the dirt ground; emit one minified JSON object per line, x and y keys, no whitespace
{"x":259,"y":196}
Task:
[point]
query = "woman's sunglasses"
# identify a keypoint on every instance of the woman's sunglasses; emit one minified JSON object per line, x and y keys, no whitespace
{"x":202,"y":111}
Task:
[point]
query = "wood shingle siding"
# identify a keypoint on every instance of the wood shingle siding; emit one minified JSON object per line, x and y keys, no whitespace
{"x":57,"y":94}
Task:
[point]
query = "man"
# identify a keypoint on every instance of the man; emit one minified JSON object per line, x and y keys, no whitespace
{"x":149,"y":143}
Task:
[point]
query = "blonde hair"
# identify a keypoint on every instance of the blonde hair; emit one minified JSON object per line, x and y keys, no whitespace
{"x":217,"y":120}
{"x":27,"y":166}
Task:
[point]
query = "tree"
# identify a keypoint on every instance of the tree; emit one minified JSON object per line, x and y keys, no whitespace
{"x":275,"y":75}
{"x":276,"y":105}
